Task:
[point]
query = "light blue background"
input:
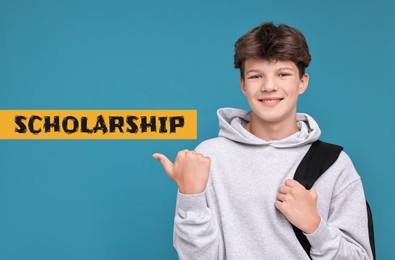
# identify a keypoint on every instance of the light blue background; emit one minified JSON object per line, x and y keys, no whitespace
{"x":110,"y":199}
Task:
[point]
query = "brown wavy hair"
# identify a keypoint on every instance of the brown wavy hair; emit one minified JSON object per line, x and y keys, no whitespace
{"x":273,"y":43}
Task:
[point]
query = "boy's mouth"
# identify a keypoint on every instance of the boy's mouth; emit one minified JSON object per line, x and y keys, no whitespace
{"x":270,"y":100}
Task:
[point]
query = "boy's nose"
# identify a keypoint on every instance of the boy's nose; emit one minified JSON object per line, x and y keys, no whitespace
{"x":269,"y":85}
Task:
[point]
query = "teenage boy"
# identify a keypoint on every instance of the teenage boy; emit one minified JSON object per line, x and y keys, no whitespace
{"x":236,"y":194}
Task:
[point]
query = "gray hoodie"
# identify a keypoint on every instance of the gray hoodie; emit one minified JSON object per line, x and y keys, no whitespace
{"x":235,"y":217}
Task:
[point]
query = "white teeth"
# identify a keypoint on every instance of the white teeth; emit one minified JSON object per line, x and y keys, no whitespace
{"x":271,"y":100}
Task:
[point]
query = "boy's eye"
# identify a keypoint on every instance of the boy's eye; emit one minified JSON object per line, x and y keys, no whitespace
{"x":255,"y":77}
{"x":284,"y":74}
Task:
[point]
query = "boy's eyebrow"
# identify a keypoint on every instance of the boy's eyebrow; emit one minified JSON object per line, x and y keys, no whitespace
{"x":285,"y":68}
{"x":278,"y":69}
{"x":253,"y":70}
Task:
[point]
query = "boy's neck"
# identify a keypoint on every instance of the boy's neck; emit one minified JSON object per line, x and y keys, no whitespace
{"x":272,"y":131}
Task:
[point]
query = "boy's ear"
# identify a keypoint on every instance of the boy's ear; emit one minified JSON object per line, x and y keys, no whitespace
{"x":304,"y":82}
{"x":242,"y":86}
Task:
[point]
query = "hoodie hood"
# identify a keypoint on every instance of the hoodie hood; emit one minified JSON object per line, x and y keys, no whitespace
{"x":232,"y":122}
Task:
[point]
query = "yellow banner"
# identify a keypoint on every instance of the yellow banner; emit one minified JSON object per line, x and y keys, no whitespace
{"x":98,"y":124}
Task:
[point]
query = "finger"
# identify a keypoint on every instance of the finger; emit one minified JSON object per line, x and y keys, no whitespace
{"x":279,"y":205}
{"x":281,"y":197}
{"x":292,"y":183}
{"x":284,"y":189}
{"x":195,"y":152}
{"x":313,"y":193}
{"x":166,"y":163}
{"x":182,"y":153}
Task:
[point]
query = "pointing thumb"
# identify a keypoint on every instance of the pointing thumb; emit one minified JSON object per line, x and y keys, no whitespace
{"x":166,"y":163}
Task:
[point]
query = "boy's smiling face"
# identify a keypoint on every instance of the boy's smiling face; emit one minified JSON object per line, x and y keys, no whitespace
{"x":272,"y":90}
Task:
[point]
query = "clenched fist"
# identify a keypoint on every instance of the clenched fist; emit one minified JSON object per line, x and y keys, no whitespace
{"x":190,"y":170}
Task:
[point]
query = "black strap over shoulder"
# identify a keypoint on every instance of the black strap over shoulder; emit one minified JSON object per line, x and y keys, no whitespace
{"x":371,"y":230}
{"x":317,"y":160}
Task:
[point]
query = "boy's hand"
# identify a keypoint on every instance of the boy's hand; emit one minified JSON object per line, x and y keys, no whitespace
{"x":190,"y":170}
{"x":299,"y":206}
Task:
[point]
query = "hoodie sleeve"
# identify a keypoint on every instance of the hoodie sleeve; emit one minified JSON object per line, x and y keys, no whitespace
{"x":195,"y":231}
{"x":344,"y":234}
